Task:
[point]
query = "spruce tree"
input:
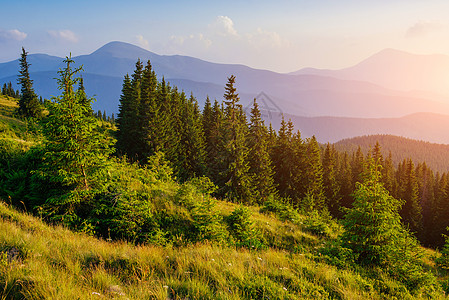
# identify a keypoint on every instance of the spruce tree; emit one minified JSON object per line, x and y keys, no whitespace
{"x":259,"y":157}
{"x":313,"y":177}
{"x":213,"y":126}
{"x":283,"y":157}
{"x":74,"y":149}
{"x":373,"y":229}
{"x":148,"y":113}
{"x":238,"y":185}
{"x":331,"y":186}
{"x":191,"y":162}
{"x":29,"y":106}
{"x":411,"y":210}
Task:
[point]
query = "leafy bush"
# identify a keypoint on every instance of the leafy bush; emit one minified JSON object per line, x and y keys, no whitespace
{"x":243,"y":229}
{"x":281,"y":208}
{"x":319,"y":223}
{"x":443,"y":260}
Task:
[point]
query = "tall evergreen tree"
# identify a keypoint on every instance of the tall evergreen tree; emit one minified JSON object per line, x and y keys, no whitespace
{"x":238,"y":185}
{"x":373,"y":229}
{"x":29,"y":106}
{"x":259,"y":157}
{"x":330,"y":183}
{"x":284,"y":162}
{"x":191,"y":161}
{"x":74,"y":148}
{"x":313,"y":177}
{"x":213,"y":126}
{"x":411,"y":211}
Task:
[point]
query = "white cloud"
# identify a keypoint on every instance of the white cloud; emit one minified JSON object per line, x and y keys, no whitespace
{"x":423,"y":28}
{"x":224,"y":26}
{"x":266,"y":38}
{"x":12,"y":35}
{"x":141,"y":41}
{"x":64,"y":35}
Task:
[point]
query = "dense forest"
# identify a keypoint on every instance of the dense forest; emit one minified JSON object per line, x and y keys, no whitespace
{"x":99,"y":177}
{"x":436,"y":156}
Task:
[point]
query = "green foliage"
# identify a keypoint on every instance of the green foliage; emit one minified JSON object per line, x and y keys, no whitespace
{"x":376,"y":236}
{"x":29,"y":106}
{"x":281,"y":208}
{"x":443,"y":260}
{"x":238,"y":185}
{"x":74,"y":149}
{"x":244,"y":230}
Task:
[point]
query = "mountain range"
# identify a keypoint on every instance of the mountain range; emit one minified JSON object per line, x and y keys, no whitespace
{"x":391,"y":92}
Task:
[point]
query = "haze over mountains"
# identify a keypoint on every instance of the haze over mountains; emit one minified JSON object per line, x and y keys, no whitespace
{"x":371,"y":97}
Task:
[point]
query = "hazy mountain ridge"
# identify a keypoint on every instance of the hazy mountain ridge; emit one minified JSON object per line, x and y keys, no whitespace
{"x":306,"y":93}
{"x":396,"y":70}
{"x":419,"y":126}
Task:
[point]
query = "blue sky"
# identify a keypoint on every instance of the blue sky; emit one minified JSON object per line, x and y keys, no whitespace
{"x":278,"y":35}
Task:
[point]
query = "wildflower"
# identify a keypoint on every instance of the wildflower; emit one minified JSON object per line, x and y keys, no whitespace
{"x":95,"y":293}
{"x":259,"y":258}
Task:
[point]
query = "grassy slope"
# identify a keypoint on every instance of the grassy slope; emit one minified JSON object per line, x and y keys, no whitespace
{"x":39,"y":261}
{"x":55,"y":263}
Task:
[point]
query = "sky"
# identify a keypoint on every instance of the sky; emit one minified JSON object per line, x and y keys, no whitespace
{"x":281,"y":36}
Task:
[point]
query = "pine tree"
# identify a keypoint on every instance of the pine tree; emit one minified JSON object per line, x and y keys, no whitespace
{"x":191,"y":143}
{"x":128,"y":124}
{"x":213,"y":127}
{"x":283,"y":157}
{"x":313,"y":177}
{"x":411,"y":211}
{"x":373,"y":228}
{"x":259,"y":157}
{"x":238,"y":185}
{"x":74,"y":149}
{"x":29,"y":103}
{"x":330,"y":183}
{"x":148,"y":113}
{"x":344,"y":176}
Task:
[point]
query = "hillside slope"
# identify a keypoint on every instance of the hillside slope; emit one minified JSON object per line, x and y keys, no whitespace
{"x":436,"y":156}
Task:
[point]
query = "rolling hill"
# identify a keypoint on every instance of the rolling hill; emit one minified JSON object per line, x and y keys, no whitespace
{"x":436,"y":156}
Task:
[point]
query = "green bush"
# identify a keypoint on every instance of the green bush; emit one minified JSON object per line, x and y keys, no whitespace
{"x":243,"y":229}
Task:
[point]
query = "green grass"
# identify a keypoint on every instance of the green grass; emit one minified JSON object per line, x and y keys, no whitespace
{"x":56,"y":263}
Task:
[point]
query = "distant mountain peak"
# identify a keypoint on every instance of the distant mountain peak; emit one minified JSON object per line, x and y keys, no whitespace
{"x":121,"y":50}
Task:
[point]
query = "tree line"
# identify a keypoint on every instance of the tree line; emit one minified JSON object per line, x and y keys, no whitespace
{"x":250,"y":162}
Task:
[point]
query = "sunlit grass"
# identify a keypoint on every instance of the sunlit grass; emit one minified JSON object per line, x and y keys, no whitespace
{"x":55,"y":263}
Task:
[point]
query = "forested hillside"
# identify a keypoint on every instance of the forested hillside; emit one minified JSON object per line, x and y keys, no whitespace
{"x":210,"y":189}
{"x":436,"y":156}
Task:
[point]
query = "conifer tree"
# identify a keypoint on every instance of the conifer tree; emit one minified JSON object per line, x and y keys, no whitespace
{"x":148,"y":113}
{"x":213,"y":126}
{"x":344,"y":176}
{"x":330,"y":183}
{"x":238,"y":185}
{"x":411,"y":210}
{"x":373,"y":229}
{"x":191,"y":161}
{"x":283,"y":157}
{"x":313,"y":177}
{"x":259,"y":157}
{"x":29,"y":106}
{"x":74,"y":149}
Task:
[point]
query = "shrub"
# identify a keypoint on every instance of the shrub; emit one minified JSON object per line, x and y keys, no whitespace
{"x":243,"y":229}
